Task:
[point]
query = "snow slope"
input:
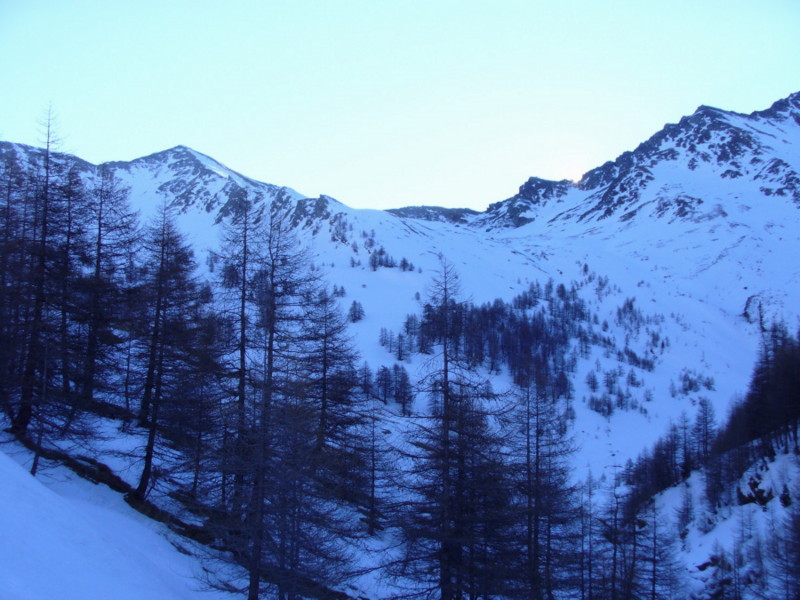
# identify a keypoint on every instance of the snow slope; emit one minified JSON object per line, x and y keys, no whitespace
{"x":743,"y":529}
{"x":66,"y":538}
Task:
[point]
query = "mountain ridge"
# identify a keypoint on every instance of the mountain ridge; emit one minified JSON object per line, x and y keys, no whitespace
{"x":729,"y":179}
{"x":709,"y":133}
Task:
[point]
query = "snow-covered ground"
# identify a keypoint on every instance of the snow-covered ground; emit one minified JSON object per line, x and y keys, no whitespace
{"x":742,"y":531}
{"x":65,"y":538}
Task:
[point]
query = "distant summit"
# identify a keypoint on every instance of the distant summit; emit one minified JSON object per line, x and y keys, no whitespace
{"x":711,"y":143}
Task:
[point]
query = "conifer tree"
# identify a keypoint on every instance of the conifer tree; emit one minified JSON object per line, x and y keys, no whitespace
{"x":112,"y":230}
{"x":546,"y":500}
{"x":72,"y":254}
{"x":293,"y":375}
{"x":171,"y":335}
{"x":12,"y":186}
{"x":380,"y":467}
{"x":356,"y":312}
{"x":704,"y":429}
{"x":34,"y":381}
{"x":660,"y":570}
{"x":456,"y":528}
{"x":784,"y":555}
{"x":588,"y":558}
{"x":384,"y":384}
{"x":330,"y":371}
{"x":403,"y":392}
{"x":239,"y":254}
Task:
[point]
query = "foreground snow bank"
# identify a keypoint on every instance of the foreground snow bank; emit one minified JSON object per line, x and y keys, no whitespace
{"x":63,"y":537}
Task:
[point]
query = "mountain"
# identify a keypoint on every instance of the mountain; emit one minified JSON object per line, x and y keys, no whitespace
{"x":677,"y":256}
{"x":699,"y":224}
{"x":757,"y":151}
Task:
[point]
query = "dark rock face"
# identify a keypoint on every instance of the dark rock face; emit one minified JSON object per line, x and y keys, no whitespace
{"x":521,"y":209}
{"x":193,"y":179}
{"x":461,"y":216}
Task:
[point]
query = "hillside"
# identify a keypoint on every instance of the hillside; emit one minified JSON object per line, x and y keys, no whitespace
{"x":659,"y":272}
{"x":64,"y":537}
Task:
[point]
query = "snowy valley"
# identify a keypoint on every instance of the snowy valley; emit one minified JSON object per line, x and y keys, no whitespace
{"x":647,"y":291}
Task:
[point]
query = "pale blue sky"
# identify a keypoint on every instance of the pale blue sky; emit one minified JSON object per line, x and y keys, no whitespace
{"x":383,"y":104}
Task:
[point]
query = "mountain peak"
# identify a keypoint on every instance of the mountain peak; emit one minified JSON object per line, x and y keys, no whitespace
{"x":181,"y":150}
{"x":522,"y":208}
{"x":782,"y":108}
{"x":177,"y":154}
{"x":720,"y":143}
{"x":713,"y":111}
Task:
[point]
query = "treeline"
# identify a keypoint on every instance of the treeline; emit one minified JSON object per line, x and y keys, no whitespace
{"x":540,"y":335}
{"x":763,"y":422}
{"x":532,"y":336}
{"x":491,"y":510}
{"x":758,"y":427}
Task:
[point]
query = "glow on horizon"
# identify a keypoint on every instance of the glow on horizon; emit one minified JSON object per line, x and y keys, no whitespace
{"x":383,"y":104}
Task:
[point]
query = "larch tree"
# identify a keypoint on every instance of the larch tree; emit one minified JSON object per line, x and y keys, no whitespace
{"x":455,"y":526}
{"x":704,"y":430}
{"x":292,"y":371}
{"x":71,"y":256}
{"x":34,"y":372}
{"x":784,"y":554}
{"x":113,"y":235}
{"x":171,"y":336}
{"x":541,"y":450}
{"x":11,"y":188}
{"x":240,"y":249}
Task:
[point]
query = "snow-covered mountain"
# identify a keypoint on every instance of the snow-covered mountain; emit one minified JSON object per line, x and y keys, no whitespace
{"x":682,"y":251}
{"x":699,"y":224}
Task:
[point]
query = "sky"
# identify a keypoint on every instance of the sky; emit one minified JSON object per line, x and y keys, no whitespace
{"x":384,"y":103}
